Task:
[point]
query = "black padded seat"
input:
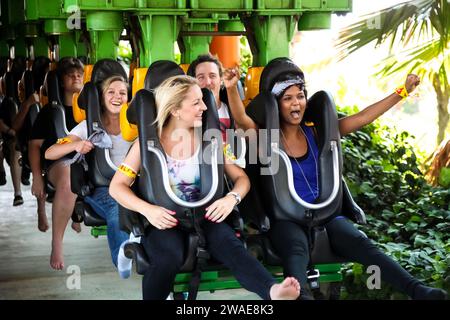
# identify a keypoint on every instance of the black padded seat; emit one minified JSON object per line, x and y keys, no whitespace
{"x":10,"y":103}
{"x":32,"y":81}
{"x":57,"y":114}
{"x":280,"y":201}
{"x":142,"y":111}
{"x":100,"y":167}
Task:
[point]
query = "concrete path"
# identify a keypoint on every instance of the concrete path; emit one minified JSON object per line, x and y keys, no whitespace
{"x":25,"y":272}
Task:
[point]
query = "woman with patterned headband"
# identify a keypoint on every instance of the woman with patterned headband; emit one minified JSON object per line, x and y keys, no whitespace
{"x":300,"y":142}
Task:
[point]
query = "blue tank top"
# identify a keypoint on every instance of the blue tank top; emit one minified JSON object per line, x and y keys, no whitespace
{"x":307,"y":164}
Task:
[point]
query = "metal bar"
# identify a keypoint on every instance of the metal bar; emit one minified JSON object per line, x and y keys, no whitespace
{"x":166,"y":183}
{"x":290,"y":178}
{"x":212,"y":33}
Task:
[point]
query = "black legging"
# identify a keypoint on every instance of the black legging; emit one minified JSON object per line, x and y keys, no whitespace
{"x":290,"y":241}
{"x":165,"y":249}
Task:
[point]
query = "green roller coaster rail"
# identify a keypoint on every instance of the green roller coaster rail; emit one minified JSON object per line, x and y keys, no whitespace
{"x":267,"y":22}
{"x":270,"y":24}
{"x":98,"y":231}
{"x":223,"y":279}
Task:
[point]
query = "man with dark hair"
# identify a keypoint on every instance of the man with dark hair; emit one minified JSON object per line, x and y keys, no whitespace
{"x":207,"y":69}
{"x":70,"y":75}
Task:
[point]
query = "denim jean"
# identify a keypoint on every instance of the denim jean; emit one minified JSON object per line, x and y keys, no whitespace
{"x":108,"y":209}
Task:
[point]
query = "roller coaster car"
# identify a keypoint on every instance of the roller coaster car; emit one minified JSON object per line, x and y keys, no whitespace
{"x":10,"y":102}
{"x":57,"y":114}
{"x":100,"y":167}
{"x":31,"y":82}
{"x":153,"y":171}
{"x":280,"y":200}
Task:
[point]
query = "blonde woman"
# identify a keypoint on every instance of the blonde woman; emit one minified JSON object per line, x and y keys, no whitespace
{"x":180,"y":107}
{"x":114,"y":94}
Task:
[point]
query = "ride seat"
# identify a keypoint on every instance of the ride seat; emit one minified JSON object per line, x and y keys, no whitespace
{"x":100,"y":167}
{"x":142,"y":111}
{"x":280,"y":200}
{"x":31,"y":81}
{"x":50,"y":92}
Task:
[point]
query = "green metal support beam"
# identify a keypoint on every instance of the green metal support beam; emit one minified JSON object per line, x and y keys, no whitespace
{"x":269,"y":37}
{"x":4,"y":52}
{"x":191,"y":46}
{"x":65,"y":38}
{"x":159,"y":34}
{"x":105,"y":29}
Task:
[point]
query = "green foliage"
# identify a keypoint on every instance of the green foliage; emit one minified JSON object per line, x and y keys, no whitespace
{"x":444,"y":177}
{"x":246,"y":57}
{"x":124,"y":52}
{"x":408,"y":218}
{"x":418,"y":34}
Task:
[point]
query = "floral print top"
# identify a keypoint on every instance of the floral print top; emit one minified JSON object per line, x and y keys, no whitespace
{"x":184,"y":175}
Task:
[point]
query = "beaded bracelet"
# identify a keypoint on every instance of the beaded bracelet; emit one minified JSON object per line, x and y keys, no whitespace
{"x":402,"y":92}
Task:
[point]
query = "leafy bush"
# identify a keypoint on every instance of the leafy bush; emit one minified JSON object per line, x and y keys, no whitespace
{"x":408,"y":218}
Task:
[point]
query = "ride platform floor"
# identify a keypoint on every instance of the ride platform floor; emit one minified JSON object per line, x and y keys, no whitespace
{"x":25,"y":272}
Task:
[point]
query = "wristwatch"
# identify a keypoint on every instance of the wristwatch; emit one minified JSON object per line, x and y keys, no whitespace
{"x":236,"y":195}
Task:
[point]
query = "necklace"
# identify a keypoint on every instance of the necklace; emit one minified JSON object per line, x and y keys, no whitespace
{"x":316,"y":192}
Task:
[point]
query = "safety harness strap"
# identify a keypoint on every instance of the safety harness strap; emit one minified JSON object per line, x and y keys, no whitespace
{"x":202,"y":257}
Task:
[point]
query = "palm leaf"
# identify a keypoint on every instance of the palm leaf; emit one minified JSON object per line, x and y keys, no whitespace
{"x":402,"y":24}
{"x":426,"y":54}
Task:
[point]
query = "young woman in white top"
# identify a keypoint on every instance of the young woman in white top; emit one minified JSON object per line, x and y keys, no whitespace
{"x":114,"y":95}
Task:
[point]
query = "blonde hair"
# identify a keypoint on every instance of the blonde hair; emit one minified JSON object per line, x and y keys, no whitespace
{"x":107,"y":82}
{"x":169,"y":96}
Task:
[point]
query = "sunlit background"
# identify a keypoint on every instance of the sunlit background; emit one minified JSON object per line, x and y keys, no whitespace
{"x":353,"y":80}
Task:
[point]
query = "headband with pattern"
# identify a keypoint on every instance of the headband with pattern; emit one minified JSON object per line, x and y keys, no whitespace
{"x":280,"y":86}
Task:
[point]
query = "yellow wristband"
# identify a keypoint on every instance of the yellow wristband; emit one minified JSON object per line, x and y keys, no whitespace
{"x":63,"y":140}
{"x":402,"y":92}
{"x":126,"y":170}
{"x":229,"y":155}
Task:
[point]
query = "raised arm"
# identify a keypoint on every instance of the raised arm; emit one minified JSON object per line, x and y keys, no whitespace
{"x":371,"y":113}
{"x":120,"y":190}
{"x":243,"y":121}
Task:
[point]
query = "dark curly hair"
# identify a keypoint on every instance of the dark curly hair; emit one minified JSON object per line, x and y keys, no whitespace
{"x":201,"y":59}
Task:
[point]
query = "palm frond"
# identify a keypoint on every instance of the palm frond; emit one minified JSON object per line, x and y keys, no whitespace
{"x":402,"y":24}
{"x":427,"y":53}
{"x":426,"y":60}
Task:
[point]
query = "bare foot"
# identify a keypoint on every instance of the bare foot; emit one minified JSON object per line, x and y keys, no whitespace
{"x":56,"y":257}
{"x":289,"y":289}
{"x":76,"y":226}
{"x":42,"y":221}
